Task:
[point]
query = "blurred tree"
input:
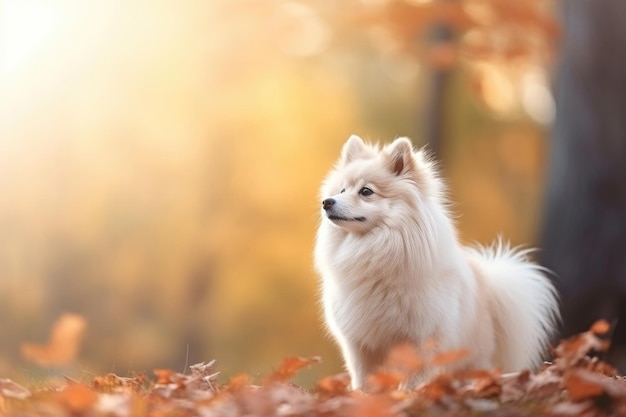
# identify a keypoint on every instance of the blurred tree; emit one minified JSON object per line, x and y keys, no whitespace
{"x":442,"y":36}
{"x":584,"y":233}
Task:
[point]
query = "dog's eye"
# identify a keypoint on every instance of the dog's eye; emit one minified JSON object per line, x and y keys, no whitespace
{"x":342,"y":190}
{"x":366,"y":191}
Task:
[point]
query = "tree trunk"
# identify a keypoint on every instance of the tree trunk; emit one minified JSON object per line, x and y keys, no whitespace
{"x":584,"y":231}
{"x":434,"y":120}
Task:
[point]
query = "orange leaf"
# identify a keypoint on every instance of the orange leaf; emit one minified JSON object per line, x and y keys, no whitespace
{"x":372,"y":406}
{"x":383,"y":381}
{"x":439,"y":388}
{"x":238,"y":382}
{"x":334,"y":385}
{"x":449,"y":357}
{"x":63,"y":345}
{"x":10,"y":389}
{"x":583,"y":385}
{"x":476,"y":374}
{"x":77,"y":398}
{"x":601,"y":327}
{"x":112,"y":383}
{"x":404,"y":357}
{"x":290,"y":367}
{"x":487,"y":388}
{"x":164,"y":376}
{"x":571,"y":351}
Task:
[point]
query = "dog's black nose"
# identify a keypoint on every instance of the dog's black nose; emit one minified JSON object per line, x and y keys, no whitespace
{"x":328,"y":203}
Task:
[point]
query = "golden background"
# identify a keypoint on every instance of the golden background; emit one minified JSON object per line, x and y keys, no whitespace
{"x":160,"y":162}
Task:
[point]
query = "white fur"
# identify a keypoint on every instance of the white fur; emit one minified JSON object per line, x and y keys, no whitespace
{"x":394,"y":271}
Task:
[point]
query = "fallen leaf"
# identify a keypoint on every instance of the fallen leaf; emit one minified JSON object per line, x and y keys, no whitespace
{"x":439,"y":387}
{"x":290,"y":367}
{"x":371,"y":406}
{"x":334,"y":385}
{"x":113,"y":383}
{"x":514,"y":385}
{"x":77,"y":398}
{"x":601,"y":327}
{"x":10,"y":389}
{"x":114,"y":405}
{"x":63,"y":344}
{"x":544,"y":385}
{"x":449,"y":357}
{"x":203,"y":376}
{"x":383,"y":381}
{"x":472,"y":374}
{"x":164,"y":376}
{"x":567,"y":408}
{"x":488,"y":387}
{"x":596,"y":365}
{"x":237,"y":382}
{"x":572,"y":350}
{"x":582,"y":385}
{"x":404,"y":358}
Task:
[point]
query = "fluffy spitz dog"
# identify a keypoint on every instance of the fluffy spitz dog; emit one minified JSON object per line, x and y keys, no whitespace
{"x":394,"y":271}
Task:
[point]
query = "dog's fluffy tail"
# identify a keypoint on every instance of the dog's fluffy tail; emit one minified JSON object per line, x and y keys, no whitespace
{"x":523,"y":303}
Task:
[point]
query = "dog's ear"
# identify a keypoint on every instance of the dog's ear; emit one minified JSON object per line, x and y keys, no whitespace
{"x":352,"y":149}
{"x":400,"y":157}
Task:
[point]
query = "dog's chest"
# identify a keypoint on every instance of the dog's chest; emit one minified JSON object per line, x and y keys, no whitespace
{"x":375,"y":310}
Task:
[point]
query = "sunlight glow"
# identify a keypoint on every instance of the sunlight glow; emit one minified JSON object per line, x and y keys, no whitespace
{"x":537,"y":99}
{"x":25,"y":26}
{"x":300,"y":30}
{"x":497,"y":89}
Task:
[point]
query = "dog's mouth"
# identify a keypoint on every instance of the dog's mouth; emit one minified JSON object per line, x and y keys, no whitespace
{"x":345,"y":219}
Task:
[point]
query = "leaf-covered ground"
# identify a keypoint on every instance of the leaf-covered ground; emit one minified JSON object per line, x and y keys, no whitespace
{"x":573,"y":384}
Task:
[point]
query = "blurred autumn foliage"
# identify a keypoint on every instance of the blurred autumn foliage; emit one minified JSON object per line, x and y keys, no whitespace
{"x":160,"y":162}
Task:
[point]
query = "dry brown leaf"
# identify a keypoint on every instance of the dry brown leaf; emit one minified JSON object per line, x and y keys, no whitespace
{"x":10,"y":389}
{"x":440,"y":387}
{"x":571,"y":351}
{"x":404,"y":358}
{"x":571,"y":409}
{"x":164,"y":376}
{"x":582,"y":384}
{"x":544,"y":385}
{"x":488,"y":387}
{"x":113,"y":383}
{"x":290,"y":367}
{"x":469,"y":374}
{"x":203,"y":376}
{"x":77,"y":398}
{"x":596,"y":365}
{"x":237,"y":382}
{"x":449,"y":357}
{"x":63,"y":345}
{"x":514,"y":385}
{"x":372,"y":406}
{"x":383,"y":381}
{"x":601,"y":327}
{"x":333,"y":386}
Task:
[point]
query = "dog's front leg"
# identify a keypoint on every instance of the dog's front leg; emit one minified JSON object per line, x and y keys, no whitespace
{"x":363,"y":361}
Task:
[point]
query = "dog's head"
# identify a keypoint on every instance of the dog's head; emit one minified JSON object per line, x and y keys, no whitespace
{"x":372,"y":186}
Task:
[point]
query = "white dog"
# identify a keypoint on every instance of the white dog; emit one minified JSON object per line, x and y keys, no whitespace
{"x":394,"y":271}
